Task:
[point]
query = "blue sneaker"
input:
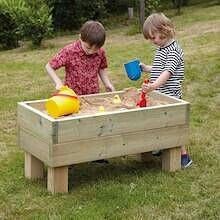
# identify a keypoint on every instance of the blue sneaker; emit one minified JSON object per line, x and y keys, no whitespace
{"x":185,"y":161}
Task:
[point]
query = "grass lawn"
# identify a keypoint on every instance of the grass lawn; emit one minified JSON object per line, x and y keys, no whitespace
{"x":126,"y":188}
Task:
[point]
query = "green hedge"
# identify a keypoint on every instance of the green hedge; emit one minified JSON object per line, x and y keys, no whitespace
{"x":69,"y":15}
{"x":23,"y":19}
{"x":10,"y":17}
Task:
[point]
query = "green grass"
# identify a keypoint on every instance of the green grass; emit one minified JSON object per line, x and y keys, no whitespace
{"x":126,"y":188}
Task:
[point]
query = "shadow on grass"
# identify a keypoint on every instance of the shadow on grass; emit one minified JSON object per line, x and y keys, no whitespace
{"x":121,"y":170}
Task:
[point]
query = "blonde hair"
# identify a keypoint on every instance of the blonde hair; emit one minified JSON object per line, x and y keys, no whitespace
{"x":158,"y":23}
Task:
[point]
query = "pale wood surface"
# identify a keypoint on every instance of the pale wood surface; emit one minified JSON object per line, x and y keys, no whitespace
{"x":118,"y":145}
{"x":124,"y":122}
{"x":171,"y":159}
{"x":57,"y":179}
{"x":33,"y":167}
{"x":40,"y":105}
{"x":34,"y":145}
{"x":76,"y":139}
{"x":33,"y":121}
{"x":130,"y":12}
{"x":169,"y":99}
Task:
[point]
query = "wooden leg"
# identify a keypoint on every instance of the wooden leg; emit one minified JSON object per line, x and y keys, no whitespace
{"x":33,"y":167}
{"x":146,"y":157}
{"x":171,"y":159}
{"x":57,"y":179}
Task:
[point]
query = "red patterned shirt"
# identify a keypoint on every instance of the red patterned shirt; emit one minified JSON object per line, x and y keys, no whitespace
{"x":81,"y":69}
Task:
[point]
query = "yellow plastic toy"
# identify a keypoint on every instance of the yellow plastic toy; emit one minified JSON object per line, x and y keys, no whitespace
{"x":101,"y":108}
{"x":116,"y":99}
{"x":64,"y":102}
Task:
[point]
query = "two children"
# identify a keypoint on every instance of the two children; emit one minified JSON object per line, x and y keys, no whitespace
{"x":85,"y":61}
{"x":167,"y":71}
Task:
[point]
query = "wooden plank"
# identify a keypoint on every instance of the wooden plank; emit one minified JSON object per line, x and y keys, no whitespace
{"x":162,"y":97}
{"x":57,"y":179}
{"x":29,"y":119}
{"x":39,"y":105}
{"x":33,"y":167}
{"x":33,"y":107}
{"x":130,"y":12}
{"x":33,"y":145}
{"x":118,"y":145}
{"x":171,"y":159}
{"x":121,"y":122}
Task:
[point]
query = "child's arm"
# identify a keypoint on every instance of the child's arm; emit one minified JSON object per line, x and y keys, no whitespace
{"x":104,"y":77}
{"x":148,"y":87}
{"x":145,"y":68}
{"x":53,"y":76}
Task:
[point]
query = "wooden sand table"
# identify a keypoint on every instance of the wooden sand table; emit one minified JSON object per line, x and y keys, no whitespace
{"x":121,"y":129}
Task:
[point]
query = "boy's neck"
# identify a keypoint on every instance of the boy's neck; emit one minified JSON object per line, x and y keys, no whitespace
{"x":168,"y":42}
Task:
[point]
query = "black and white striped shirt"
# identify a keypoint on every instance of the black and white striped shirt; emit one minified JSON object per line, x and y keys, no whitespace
{"x":169,"y":58}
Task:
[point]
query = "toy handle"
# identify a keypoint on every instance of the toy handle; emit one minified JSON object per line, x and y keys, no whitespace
{"x":65,"y":95}
{"x":63,"y":88}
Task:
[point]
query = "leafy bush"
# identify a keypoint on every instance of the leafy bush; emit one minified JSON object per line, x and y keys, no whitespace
{"x":69,"y":15}
{"x":8,"y":31}
{"x":37,"y":22}
{"x":152,"y":5}
{"x":90,"y":10}
{"x":20,"y":19}
{"x":62,"y":14}
{"x":10,"y":17}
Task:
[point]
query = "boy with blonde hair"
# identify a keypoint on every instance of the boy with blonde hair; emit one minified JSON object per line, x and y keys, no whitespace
{"x":167,"y":71}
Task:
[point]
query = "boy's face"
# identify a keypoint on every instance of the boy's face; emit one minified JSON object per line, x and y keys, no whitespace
{"x":89,"y":49}
{"x":157,"y":40}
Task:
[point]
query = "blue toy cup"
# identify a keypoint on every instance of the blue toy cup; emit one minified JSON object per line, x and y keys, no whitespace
{"x":133,"y":69}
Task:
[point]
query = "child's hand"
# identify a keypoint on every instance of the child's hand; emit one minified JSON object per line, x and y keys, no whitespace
{"x":110,"y":88}
{"x":145,"y":68}
{"x":148,"y":87}
{"x":142,"y":65}
{"x":59,"y":86}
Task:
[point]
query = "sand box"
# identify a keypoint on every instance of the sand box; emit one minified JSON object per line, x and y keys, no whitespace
{"x":129,"y":99}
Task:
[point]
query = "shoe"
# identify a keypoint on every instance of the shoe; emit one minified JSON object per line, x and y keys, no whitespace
{"x":157,"y":153}
{"x":185,"y":161}
{"x":103,"y":161}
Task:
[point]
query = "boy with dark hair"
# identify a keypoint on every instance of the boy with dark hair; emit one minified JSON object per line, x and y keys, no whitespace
{"x":84,"y":61}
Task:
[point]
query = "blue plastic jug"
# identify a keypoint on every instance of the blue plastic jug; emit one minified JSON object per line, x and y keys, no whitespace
{"x":133,"y":69}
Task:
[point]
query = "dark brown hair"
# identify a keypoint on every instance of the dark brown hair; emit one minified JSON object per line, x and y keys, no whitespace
{"x":93,"y":33}
{"x":158,"y":23}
